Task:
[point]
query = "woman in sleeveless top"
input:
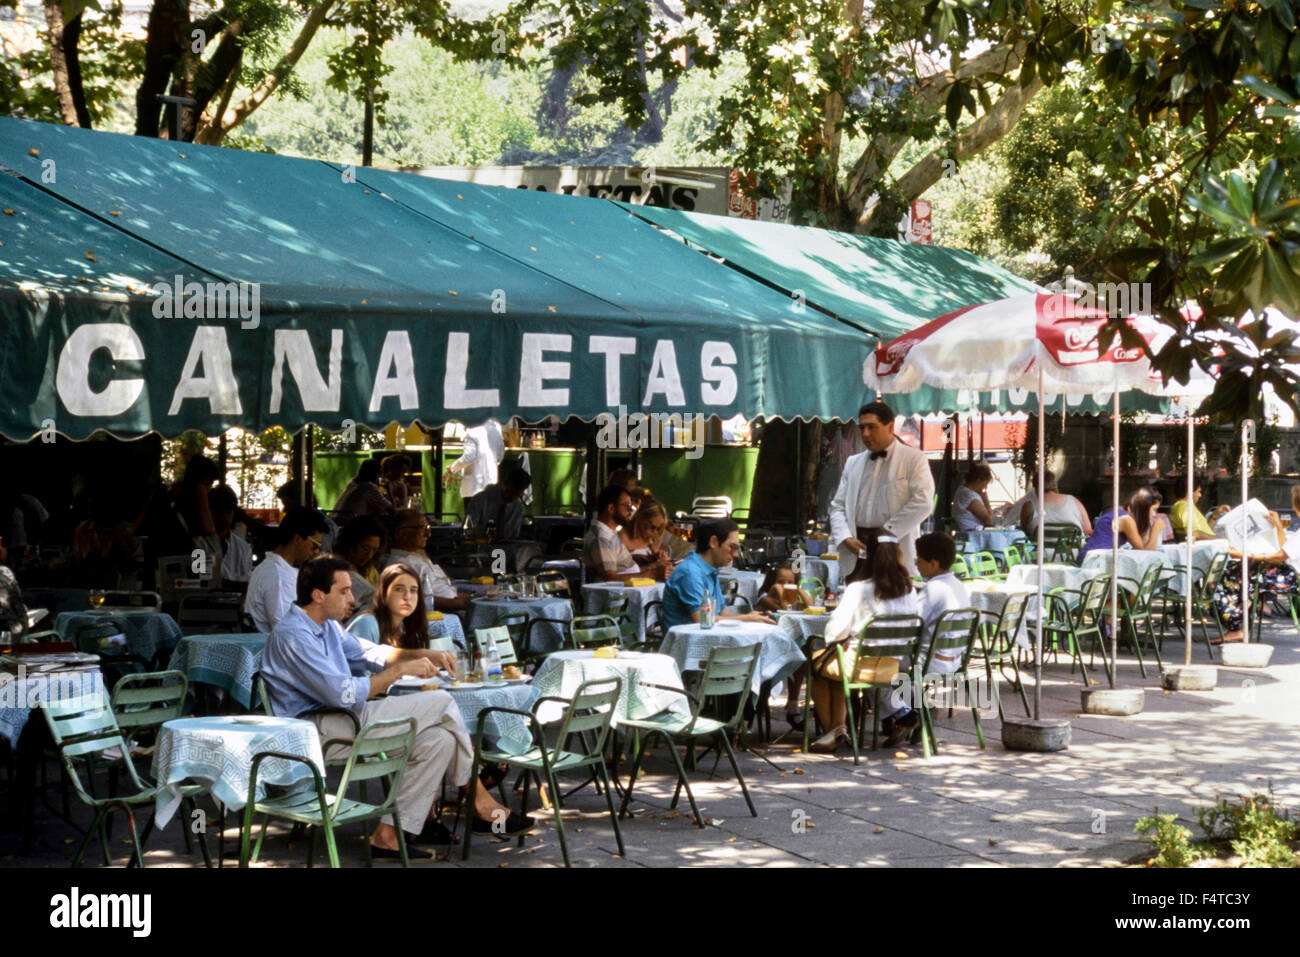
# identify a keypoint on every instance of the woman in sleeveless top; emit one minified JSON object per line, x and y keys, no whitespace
{"x":1139,"y":526}
{"x":1060,"y":509}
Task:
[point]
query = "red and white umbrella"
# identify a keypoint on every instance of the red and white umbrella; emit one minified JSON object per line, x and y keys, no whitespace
{"x":1042,"y":341}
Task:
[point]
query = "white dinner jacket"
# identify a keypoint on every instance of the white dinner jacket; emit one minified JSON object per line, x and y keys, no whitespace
{"x":909,"y":498}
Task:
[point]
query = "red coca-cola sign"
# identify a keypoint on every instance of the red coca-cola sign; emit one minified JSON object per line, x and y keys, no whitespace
{"x":739,"y":203}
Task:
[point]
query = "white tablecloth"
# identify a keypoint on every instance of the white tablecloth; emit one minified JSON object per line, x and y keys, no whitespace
{"x":689,"y":646}
{"x":1054,"y":576}
{"x":510,"y":730}
{"x":749,"y":581}
{"x":800,"y":626}
{"x":483,"y":613}
{"x":827,"y":571}
{"x":218,"y":753}
{"x":1202,"y":555}
{"x":991,"y":599}
{"x":991,"y":539}
{"x":562,"y":673}
{"x":596,"y":596}
{"x":1133,"y":564}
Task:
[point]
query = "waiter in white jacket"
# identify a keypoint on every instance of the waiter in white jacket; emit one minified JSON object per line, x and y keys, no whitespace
{"x":887,"y":489}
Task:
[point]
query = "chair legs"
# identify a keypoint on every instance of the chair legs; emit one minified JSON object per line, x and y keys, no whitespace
{"x":731,"y":756}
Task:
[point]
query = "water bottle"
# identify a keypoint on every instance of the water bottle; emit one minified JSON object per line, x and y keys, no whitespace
{"x":706,"y":612}
{"x":492,"y":661}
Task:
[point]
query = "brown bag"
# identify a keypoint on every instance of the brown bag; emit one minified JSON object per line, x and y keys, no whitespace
{"x":826,"y":664}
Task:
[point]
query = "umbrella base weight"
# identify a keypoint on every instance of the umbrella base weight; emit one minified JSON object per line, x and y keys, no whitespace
{"x":1246,"y":656}
{"x":1046,"y":734}
{"x":1113,"y":701}
{"x":1190,"y":678}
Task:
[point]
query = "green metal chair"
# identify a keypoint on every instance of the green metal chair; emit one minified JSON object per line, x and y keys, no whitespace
{"x":114,"y":660}
{"x":1062,"y":541}
{"x":590,"y":631}
{"x":85,"y":733}
{"x":656,"y":629}
{"x":730,"y":587}
{"x":1204,"y":610}
{"x":1137,"y":609}
{"x":954,"y":634}
{"x":728,"y":674}
{"x":553,"y":583}
{"x":1011,"y":556}
{"x":984,"y":565}
{"x":1080,"y":621}
{"x":886,"y":636}
{"x":616,"y":607}
{"x":814,"y":587}
{"x":960,"y":568}
{"x":586,"y":720}
{"x":501,"y":635}
{"x":380,"y":750}
{"x":998,"y":643}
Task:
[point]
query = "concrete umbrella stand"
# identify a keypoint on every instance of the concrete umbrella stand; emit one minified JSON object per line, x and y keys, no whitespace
{"x":1037,"y":733}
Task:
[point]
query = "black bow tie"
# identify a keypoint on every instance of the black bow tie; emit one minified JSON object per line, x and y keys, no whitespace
{"x":877,"y":455}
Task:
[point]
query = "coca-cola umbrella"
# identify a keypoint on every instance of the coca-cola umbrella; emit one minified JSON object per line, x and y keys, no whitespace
{"x":1041,"y":341}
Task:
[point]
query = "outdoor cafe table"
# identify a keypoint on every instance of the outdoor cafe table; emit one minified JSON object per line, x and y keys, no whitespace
{"x":994,"y":540}
{"x":689,"y":647}
{"x":1132,"y":562}
{"x":749,"y":581}
{"x":19,"y":697}
{"x":562,"y":673}
{"x":225,"y":661}
{"x":827,"y":570}
{"x":800,"y":626}
{"x":472,"y":588}
{"x":147,"y":630}
{"x":218,"y":752}
{"x":1203,"y":553}
{"x":990,"y":597}
{"x":484,"y":613}
{"x":510,"y":730}
{"x":596,"y":596}
{"x":1055,"y":575}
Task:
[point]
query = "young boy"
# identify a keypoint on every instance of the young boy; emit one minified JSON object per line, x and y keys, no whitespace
{"x":943,"y":591}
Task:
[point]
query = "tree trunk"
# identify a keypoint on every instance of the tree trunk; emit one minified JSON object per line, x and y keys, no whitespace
{"x":65,"y":65}
{"x":166,"y":40}
{"x":213,"y":78}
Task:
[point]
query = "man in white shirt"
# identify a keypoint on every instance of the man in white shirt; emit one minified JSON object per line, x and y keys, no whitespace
{"x":273,"y":586}
{"x":237,"y":554}
{"x":410,"y":536}
{"x":604,"y":555}
{"x":888,"y":489}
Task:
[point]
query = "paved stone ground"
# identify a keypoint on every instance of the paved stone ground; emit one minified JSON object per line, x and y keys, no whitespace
{"x":965,"y":807}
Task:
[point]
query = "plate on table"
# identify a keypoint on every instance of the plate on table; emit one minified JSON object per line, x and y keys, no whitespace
{"x":728,"y":623}
{"x":414,"y":682}
{"x":521,"y":680}
{"x":463,"y":686}
{"x":253,"y":719}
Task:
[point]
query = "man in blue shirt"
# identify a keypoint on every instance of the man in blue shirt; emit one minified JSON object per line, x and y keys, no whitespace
{"x":717,"y":542}
{"x":308,"y":665}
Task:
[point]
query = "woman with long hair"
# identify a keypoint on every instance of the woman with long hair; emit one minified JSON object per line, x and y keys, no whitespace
{"x":1139,"y":525}
{"x":644,"y":538}
{"x":398,"y":618}
{"x":887,"y":592}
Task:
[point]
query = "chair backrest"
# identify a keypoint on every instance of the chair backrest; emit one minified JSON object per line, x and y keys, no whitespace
{"x":1147,"y":586}
{"x":1002,"y":640}
{"x":616,"y":607}
{"x":730,"y":586}
{"x":211,"y":612}
{"x":143,"y":702}
{"x":954,"y":633}
{"x":654,"y":619}
{"x":738,"y":602}
{"x":553,"y":583}
{"x":380,"y":750}
{"x":711,"y":506}
{"x":84,"y":726}
{"x":728,"y":671}
{"x":1012,"y":556}
{"x":815,"y":588}
{"x":1214,"y":574}
{"x":442,"y":643}
{"x":501,"y":635}
{"x":259,"y":694}
{"x":960,"y":568}
{"x":1092,"y":605}
{"x":983,"y":565}
{"x":891,"y":636}
{"x":594,"y":630}
{"x":590,"y":710}
{"x":515,"y":622}
{"x":1062,"y":540}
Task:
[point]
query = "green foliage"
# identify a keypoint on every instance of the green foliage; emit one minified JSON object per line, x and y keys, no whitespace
{"x":1258,"y":829}
{"x":1169,"y":840}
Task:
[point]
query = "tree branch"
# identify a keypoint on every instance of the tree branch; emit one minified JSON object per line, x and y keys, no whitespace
{"x":56,"y":35}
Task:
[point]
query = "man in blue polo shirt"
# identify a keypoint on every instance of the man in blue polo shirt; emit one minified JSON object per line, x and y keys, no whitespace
{"x":717,"y":542}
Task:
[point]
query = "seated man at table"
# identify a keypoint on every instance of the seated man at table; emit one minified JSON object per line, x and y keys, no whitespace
{"x":1179,"y":511}
{"x":943,"y":591}
{"x":409,"y":539}
{"x":603,"y":552}
{"x":308,"y":666}
{"x":274,"y":584}
{"x":236,"y":553}
{"x":500,"y":504}
{"x":717,"y":542}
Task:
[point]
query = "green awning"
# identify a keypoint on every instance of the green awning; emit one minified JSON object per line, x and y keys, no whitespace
{"x":379,"y":297}
{"x":881,"y":285}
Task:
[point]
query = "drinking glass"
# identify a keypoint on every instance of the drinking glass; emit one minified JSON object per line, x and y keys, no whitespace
{"x":96,"y":597}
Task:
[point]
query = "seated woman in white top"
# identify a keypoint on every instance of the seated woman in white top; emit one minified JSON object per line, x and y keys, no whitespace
{"x":970,"y":506}
{"x":888,"y":592}
{"x":1060,"y":509}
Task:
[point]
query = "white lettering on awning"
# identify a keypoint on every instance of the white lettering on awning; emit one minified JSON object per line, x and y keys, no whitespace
{"x":318,"y":394}
{"x":534,"y":371}
{"x":614,"y":348}
{"x":664,"y":377}
{"x":719,"y":386}
{"x":217,"y":384}
{"x":72,"y":378}
{"x":456,"y":393}
{"x":396,"y":355}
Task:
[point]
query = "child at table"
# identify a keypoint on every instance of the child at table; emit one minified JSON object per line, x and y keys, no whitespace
{"x":943,"y":592}
{"x":771,"y":594}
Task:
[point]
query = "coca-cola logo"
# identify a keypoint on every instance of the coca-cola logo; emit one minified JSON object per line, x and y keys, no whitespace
{"x":1080,"y":336}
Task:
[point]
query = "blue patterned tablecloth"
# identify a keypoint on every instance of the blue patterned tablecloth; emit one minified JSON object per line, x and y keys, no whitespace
{"x":689,"y":646}
{"x":800,"y":626}
{"x":19,"y":697}
{"x":827,"y":571}
{"x":562,"y":673}
{"x":596,"y":596}
{"x":147,"y":632}
{"x":993,"y":540}
{"x":448,"y":627}
{"x":225,"y":661}
{"x":749,"y":581}
{"x":218,"y":753}
{"x":510,"y":730}
{"x":484,"y":612}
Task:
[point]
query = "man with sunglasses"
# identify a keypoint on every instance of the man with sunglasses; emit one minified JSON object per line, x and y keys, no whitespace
{"x":410,"y":536}
{"x":273,"y":586}
{"x":717,"y":542}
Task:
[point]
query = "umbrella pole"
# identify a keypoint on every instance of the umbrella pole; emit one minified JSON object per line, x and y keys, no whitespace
{"x":1245,"y":559}
{"x":1187,"y":582}
{"x":1114,"y":543}
{"x":1042,"y":468}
